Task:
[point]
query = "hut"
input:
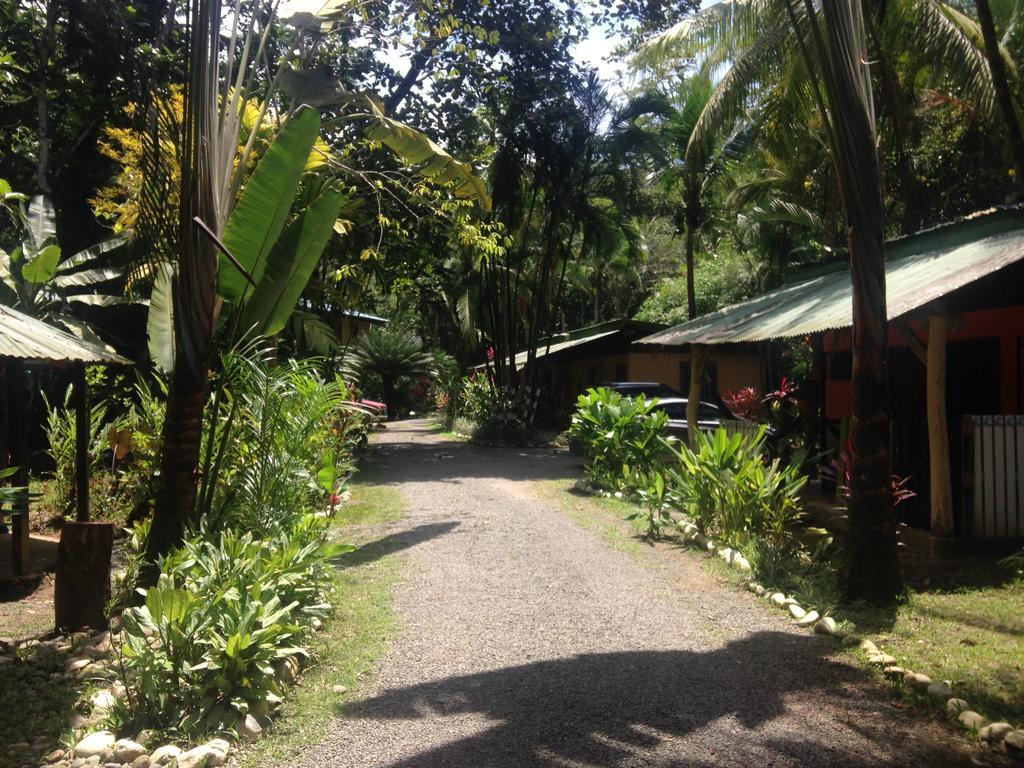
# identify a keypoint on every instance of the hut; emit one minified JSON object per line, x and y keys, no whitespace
{"x":26,"y":341}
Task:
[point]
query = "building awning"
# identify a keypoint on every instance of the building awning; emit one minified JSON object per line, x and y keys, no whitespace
{"x":23,"y":337}
{"x":919,"y":269}
{"x":561,"y":346}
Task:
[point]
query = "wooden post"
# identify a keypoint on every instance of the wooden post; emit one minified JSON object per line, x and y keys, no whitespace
{"x":21,"y":543}
{"x":82,"y":430}
{"x":698,"y":354}
{"x":942,"y":526}
{"x":81,"y":587}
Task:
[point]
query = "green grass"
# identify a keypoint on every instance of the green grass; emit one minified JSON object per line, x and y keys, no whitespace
{"x":969,"y":630}
{"x":346,"y":651}
{"x":606,"y":517}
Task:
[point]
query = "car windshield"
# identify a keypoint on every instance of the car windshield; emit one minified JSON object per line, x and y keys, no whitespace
{"x":676,"y":411}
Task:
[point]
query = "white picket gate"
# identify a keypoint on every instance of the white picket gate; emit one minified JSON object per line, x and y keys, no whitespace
{"x":993,"y":488}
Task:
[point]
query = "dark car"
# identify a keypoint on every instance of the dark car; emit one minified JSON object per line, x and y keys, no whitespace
{"x":709,"y":416}
{"x":649,"y":389}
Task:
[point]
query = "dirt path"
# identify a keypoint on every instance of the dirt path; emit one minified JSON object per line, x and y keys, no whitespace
{"x":526,"y":640}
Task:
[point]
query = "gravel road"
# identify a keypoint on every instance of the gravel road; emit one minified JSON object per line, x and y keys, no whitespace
{"x":526,"y":640}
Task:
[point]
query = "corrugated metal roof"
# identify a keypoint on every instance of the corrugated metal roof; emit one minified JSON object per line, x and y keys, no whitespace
{"x":543,"y":350}
{"x":24,"y":338}
{"x":920,"y":269}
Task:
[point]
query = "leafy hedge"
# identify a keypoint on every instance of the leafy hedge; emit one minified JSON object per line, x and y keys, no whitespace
{"x":723,"y":485}
{"x":227,"y":619}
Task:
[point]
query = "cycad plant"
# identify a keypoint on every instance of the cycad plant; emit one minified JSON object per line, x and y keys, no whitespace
{"x":391,"y":354}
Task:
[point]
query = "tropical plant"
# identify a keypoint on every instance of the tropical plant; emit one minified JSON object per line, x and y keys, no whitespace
{"x":38,"y":281}
{"x":264,"y":259}
{"x":623,"y":438}
{"x":393,"y":355}
{"x":61,"y":431}
{"x":728,"y":490}
{"x":206,"y":646}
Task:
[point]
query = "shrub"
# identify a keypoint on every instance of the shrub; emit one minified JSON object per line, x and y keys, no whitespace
{"x":729,"y":491}
{"x":233,"y":603}
{"x":61,"y":431}
{"x":204,"y":647}
{"x":623,"y":438}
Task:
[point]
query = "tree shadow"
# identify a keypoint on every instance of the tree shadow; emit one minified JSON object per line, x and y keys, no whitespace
{"x":35,"y":703}
{"x":632,"y":708}
{"x":394,"y":542}
{"x":452,"y":461}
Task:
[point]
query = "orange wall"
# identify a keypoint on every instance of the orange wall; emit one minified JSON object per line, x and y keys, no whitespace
{"x":1006,"y":324}
{"x":736,"y":370}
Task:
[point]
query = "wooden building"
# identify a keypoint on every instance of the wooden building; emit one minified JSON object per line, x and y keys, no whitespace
{"x":955,"y":305}
{"x":568,"y":364}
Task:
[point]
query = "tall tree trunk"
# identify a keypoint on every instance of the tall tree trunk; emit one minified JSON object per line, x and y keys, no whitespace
{"x":692,"y":223}
{"x":195,"y":291}
{"x":873,"y":566}
{"x":1001,"y":85}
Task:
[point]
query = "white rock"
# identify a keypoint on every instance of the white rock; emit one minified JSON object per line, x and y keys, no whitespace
{"x":809,"y":619}
{"x":894,"y":673}
{"x":868,"y":647}
{"x":126,"y":750}
{"x":972,"y":719}
{"x":995,"y":732}
{"x":955,"y":706}
{"x":940,"y":691}
{"x":825,"y":626}
{"x":742,"y":563}
{"x":77,"y":664}
{"x":340,"y":689}
{"x":1014,"y":741}
{"x":753,"y":586}
{"x":249,"y":728}
{"x":164,"y":754}
{"x":219,"y":750}
{"x":778,"y":599}
{"x":95,"y":744}
{"x":882,"y":660}
{"x":918,"y":681}
{"x":796,"y":611}
{"x":102,"y":701}
{"x":851,"y":640}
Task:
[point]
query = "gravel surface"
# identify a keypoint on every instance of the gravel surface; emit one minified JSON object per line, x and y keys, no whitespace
{"x":526,"y":640}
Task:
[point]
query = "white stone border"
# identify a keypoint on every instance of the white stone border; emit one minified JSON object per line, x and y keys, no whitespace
{"x":994,"y":734}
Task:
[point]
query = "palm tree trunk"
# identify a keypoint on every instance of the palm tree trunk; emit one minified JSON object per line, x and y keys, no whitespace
{"x":873,"y":566}
{"x":195,"y":294}
{"x":1001,"y":85}
{"x":692,"y":222}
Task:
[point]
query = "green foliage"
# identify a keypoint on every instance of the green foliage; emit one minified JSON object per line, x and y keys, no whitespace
{"x":61,"y":432}
{"x":723,"y":485}
{"x":623,"y":438}
{"x":236,"y":601}
{"x":395,"y":355}
{"x":732,"y":495}
{"x":448,"y":388}
{"x":207,"y":644}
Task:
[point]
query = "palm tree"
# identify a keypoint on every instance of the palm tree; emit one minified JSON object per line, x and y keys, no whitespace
{"x":994,"y":53}
{"x":873,"y":568}
{"x":391,"y":354}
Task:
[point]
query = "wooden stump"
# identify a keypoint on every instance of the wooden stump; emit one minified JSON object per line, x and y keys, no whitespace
{"x":82,"y":583}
